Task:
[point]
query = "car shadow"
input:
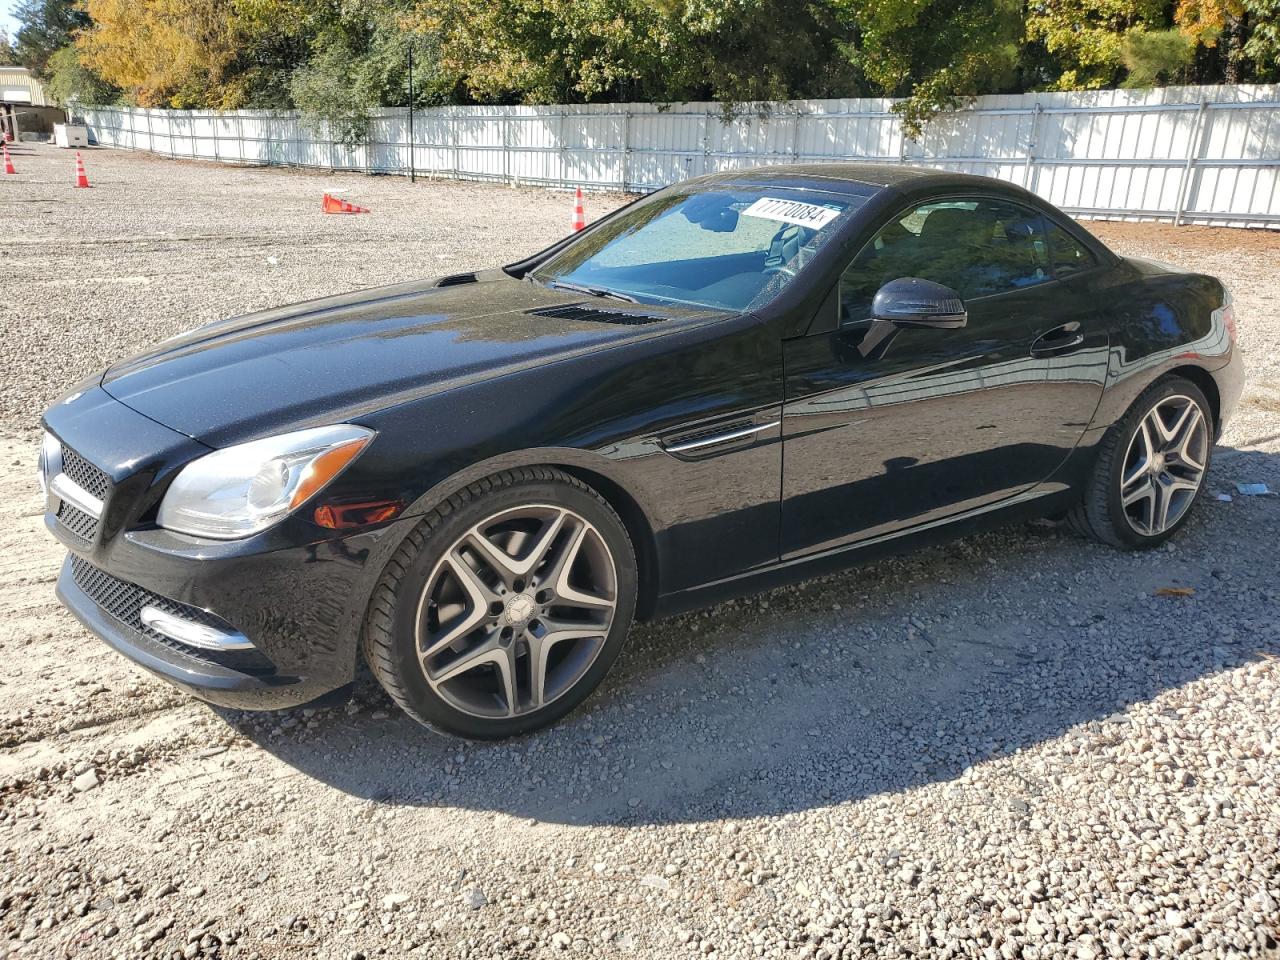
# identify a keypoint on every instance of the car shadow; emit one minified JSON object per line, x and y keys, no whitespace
{"x":875,"y":680}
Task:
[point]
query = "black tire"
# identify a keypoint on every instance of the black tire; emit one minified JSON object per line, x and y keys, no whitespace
{"x":1100,"y":513}
{"x":389,"y":639}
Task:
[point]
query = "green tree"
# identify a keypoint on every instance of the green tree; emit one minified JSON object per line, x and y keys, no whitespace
{"x":8,"y":55}
{"x":1155,"y":56}
{"x":1263,"y":46}
{"x":45,"y":26}
{"x":935,"y":54}
{"x":278,"y":40}
{"x":340,"y":60}
{"x":70,"y":79}
{"x":1086,"y":38}
{"x":358,"y":62}
{"x":1243,"y":37}
{"x":545,"y":51}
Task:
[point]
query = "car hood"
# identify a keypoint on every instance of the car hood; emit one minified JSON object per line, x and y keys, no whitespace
{"x":334,"y":359}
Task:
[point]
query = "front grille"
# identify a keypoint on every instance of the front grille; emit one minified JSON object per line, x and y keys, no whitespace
{"x":123,"y":601}
{"x":92,"y":481}
{"x":84,"y":474}
{"x":580,"y":311}
{"x":82,"y":525}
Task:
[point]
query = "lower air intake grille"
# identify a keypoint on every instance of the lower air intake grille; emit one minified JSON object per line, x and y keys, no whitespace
{"x":81,"y":525}
{"x":580,"y":311}
{"x":123,"y":601}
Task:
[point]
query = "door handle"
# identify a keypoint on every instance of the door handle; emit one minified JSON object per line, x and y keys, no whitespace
{"x":1057,"y":340}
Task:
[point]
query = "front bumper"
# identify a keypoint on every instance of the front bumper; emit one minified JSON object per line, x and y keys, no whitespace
{"x":301,"y":607}
{"x":297,"y":592}
{"x":197,"y":674}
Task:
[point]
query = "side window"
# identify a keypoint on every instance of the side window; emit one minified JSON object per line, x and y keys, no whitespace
{"x":977,"y":247}
{"x":1068,"y":254}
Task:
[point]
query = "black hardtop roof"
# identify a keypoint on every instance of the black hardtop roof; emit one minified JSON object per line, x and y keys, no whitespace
{"x":862,"y":179}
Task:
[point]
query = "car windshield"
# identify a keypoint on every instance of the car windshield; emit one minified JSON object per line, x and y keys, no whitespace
{"x":731,"y":248}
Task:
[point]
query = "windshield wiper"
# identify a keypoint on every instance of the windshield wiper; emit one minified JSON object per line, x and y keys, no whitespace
{"x":592,"y":291}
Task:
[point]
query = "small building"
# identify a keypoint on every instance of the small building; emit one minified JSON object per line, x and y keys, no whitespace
{"x":24,"y":106}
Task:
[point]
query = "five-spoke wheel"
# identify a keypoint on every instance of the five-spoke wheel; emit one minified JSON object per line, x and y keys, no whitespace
{"x":516,"y":610}
{"x":1164,"y":465}
{"x":505,"y":607}
{"x":1150,"y":468}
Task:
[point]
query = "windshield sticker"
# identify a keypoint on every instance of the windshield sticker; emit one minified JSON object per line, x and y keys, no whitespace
{"x":792,"y":211}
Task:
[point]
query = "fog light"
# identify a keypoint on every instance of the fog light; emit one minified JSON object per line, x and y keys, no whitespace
{"x":191,"y":633}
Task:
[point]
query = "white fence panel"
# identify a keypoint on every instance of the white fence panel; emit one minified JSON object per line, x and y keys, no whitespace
{"x":1186,"y":154}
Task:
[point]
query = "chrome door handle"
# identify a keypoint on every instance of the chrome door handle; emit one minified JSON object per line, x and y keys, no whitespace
{"x":1057,"y":340}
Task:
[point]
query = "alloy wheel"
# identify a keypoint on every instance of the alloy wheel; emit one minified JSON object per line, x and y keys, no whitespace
{"x":516,"y":611}
{"x":1164,"y":465}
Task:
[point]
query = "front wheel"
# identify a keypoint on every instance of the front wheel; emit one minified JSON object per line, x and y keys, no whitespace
{"x":505,"y":606}
{"x":1150,"y":469}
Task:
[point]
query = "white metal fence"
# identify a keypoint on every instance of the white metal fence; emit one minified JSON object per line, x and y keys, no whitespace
{"x":1186,"y":154}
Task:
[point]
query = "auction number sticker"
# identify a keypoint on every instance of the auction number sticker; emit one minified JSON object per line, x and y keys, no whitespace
{"x":792,"y":211}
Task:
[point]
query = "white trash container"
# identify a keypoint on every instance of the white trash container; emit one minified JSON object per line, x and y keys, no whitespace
{"x":70,"y":135}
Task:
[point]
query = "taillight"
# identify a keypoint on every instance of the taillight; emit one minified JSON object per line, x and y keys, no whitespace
{"x":1227,"y":314}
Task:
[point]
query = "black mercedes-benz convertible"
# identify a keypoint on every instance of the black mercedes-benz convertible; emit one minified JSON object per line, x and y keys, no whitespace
{"x":480,"y":481}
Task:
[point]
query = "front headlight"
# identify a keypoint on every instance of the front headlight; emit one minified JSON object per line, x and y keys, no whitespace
{"x":242,"y":490}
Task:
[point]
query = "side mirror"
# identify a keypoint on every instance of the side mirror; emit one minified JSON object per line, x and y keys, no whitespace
{"x":913,"y":302}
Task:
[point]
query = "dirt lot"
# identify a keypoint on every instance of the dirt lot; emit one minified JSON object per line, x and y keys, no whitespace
{"x":1007,"y":746}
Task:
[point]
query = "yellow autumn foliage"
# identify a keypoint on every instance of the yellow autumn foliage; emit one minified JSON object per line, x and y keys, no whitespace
{"x":167,"y":53}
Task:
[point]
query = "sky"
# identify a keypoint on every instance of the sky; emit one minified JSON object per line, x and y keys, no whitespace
{"x":7,"y":23}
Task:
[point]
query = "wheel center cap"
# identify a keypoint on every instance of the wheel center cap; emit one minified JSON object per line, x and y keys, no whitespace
{"x":520,"y":608}
{"x":1157,"y":463}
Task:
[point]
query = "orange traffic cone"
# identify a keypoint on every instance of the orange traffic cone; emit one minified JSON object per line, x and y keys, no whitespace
{"x":82,"y":180}
{"x":579,"y":218}
{"x":8,"y":161}
{"x":334,"y":205}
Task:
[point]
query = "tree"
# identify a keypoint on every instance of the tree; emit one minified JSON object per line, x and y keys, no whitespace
{"x":1152,"y":56}
{"x":936,"y":54}
{"x":1263,"y":46}
{"x":8,"y":55}
{"x":340,"y":88}
{"x":1087,"y":37}
{"x":544,"y":51}
{"x":339,"y":60}
{"x":358,"y":62}
{"x":70,"y":79}
{"x":1246,"y":33}
{"x":278,"y":39}
{"x":45,"y":26}
{"x":171,"y":53}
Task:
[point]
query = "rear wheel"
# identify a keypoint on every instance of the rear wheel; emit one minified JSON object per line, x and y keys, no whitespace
{"x":505,"y":607}
{"x":1150,"y":468}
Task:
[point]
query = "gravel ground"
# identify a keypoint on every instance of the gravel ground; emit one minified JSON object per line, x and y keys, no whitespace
{"x":1009,"y":746}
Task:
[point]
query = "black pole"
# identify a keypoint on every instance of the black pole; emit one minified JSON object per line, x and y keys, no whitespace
{"x":412,"y":172}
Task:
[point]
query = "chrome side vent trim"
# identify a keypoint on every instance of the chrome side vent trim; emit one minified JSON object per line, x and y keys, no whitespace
{"x":715,"y":439}
{"x":711,"y":441}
